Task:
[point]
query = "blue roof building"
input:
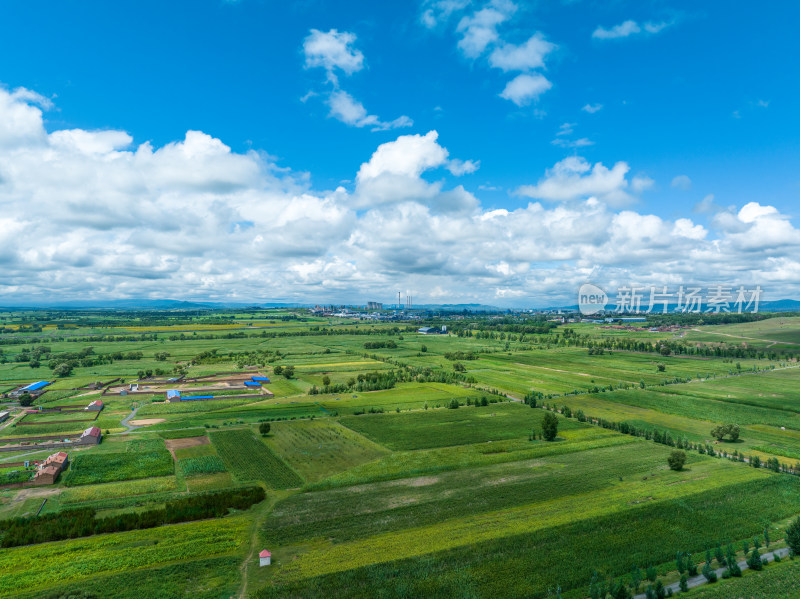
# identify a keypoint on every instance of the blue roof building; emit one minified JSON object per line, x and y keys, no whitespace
{"x":35,"y":386}
{"x":173,"y":394}
{"x":251,"y":384}
{"x":261,"y":379}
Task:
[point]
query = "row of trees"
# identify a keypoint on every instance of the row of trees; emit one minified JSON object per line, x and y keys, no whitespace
{"x":687,"y":568}
{"x":83,"y":522}
{"x":369,"y":381}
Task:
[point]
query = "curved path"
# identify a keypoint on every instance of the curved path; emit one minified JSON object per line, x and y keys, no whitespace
{"x":126,"y":421}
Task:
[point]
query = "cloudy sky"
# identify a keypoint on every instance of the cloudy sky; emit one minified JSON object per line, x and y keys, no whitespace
{"x":501,"y":152}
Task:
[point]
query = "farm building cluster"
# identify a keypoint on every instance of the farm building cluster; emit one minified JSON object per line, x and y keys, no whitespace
{"x":91,"y":436}
{"x":50,"y":469}
{"x":252,"y":383}
{"x":32,"y":389}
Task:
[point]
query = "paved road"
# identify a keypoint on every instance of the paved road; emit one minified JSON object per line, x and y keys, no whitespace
{"x":696,"y":581}
{"x":126,"y":421}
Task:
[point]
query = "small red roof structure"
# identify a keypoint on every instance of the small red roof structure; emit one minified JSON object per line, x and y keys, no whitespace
{"x":92,"y":431}
{"x":265,"y":553}
{"x":96,"y":402}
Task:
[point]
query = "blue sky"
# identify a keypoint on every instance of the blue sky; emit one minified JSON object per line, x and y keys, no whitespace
{"x":667,"y":117}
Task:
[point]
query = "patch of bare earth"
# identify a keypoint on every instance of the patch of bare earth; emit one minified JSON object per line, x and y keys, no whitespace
{"x":147,"y":421}
{"x":173,"y":444}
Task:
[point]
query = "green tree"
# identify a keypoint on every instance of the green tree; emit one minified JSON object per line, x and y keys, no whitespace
{"x":720,"y":555}
{"x":684,"y":583}
{"x":550,"y":426}
{"x":424,"y":348}
{"x":25,"y":400}
{"x":754,"y":560}
{"x":793,"y":536}
{"x":709,"y":573}
{"x":651,"y":573}
{"x":62,"y":370}
{"x":676,"y":459}
{"x":263,"y":428}
{"x":326,"y":380}
{"x":691,"y":567}
{"x":288,"y":372}
{"x":680,"y":564}
{"x":636,"y":578}
{"x":278,"y":370}
{"x":453,"y":405}
{"x":766,"y":536}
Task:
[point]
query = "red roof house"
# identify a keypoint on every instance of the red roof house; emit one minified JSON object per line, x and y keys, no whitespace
{"x":91,"y":436}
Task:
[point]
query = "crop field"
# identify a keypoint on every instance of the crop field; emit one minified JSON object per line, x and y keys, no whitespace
{"x":317,"y":449}
{"x":79,"y":559}
{"x":249,"y":459}
{"x":207,"y":464}
{"x":396,"y":492}
{"x":141,"y":459}
{"x":97,"y":492}
{"x":440,"y":428}
{"x":673,"y":505}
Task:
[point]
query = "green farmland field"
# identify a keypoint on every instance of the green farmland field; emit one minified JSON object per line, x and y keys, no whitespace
{"x":391,"y":493}
{"x":249,"y":459}
{"x":142,"y":459}
{"x":439,"y":428}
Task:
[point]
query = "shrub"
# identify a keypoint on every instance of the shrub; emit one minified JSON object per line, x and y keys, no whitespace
{"x":676,"y":459}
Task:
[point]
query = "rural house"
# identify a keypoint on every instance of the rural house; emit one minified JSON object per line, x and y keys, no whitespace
{"x":91,"y":436}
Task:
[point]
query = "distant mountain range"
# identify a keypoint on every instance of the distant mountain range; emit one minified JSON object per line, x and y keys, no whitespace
{"x":783,"y":305}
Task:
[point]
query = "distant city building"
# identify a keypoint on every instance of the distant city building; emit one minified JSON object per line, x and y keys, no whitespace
{"x":374,"y":306}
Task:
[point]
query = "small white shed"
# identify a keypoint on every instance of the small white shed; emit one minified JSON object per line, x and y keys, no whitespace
{"x":265,"y":558}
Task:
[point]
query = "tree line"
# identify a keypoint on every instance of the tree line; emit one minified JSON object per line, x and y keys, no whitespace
{"x":83,"y":522}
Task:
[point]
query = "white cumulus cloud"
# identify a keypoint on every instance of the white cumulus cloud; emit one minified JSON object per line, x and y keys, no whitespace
{"x":96,"y":215}
{"x":332,"y":50}
{"x":574,"y":178}
{"x":525,"y":88}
